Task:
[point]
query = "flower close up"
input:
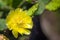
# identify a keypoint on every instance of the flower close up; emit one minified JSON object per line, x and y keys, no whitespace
{"x":19,"y":22}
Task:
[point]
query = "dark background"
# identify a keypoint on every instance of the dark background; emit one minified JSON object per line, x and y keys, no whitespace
{"x":37,"y":33}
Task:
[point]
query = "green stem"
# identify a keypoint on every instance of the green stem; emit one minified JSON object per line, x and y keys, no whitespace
{"x":21,"y":3}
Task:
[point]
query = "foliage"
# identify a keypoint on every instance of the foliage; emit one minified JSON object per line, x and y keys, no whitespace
{"x":29,"y":1}
{"x":1,"y":13}
{"x":24,"y":38}
{"x":53,"y":5}
{"x":2,"y":24}
{"x":41,"y":7}
{"x":32,"y":9}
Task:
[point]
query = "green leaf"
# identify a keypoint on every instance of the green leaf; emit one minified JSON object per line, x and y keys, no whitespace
{"x":9,"y":3}
{"x":29,"y":1}
{"x":5,"y":3}
{"x":15,"y":33}
{"x":1,"y":13}
{"x":53,"y":5}
{"x":16,"y":3}
{"x":44,"y":1}
{"x":23,"y":38}
{"x":2,"y":24}
{"x":32,"y":9}
{"x":2,"y":4}
{"x":41,"y":8}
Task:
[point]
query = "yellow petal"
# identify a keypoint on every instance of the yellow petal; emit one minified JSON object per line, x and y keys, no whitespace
{"x":21,"y":30}
{"x":24,"y":31}
{"x":29,"y":26}
{"x":27,"y":32}
{"x":15,"y":33}
{"x":11,"y":13}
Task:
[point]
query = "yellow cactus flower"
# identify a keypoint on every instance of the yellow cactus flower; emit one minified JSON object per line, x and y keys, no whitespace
{"x":19,"y":22}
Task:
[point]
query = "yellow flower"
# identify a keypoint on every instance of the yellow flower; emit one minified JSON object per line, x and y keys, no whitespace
{"x":19,"y":22}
